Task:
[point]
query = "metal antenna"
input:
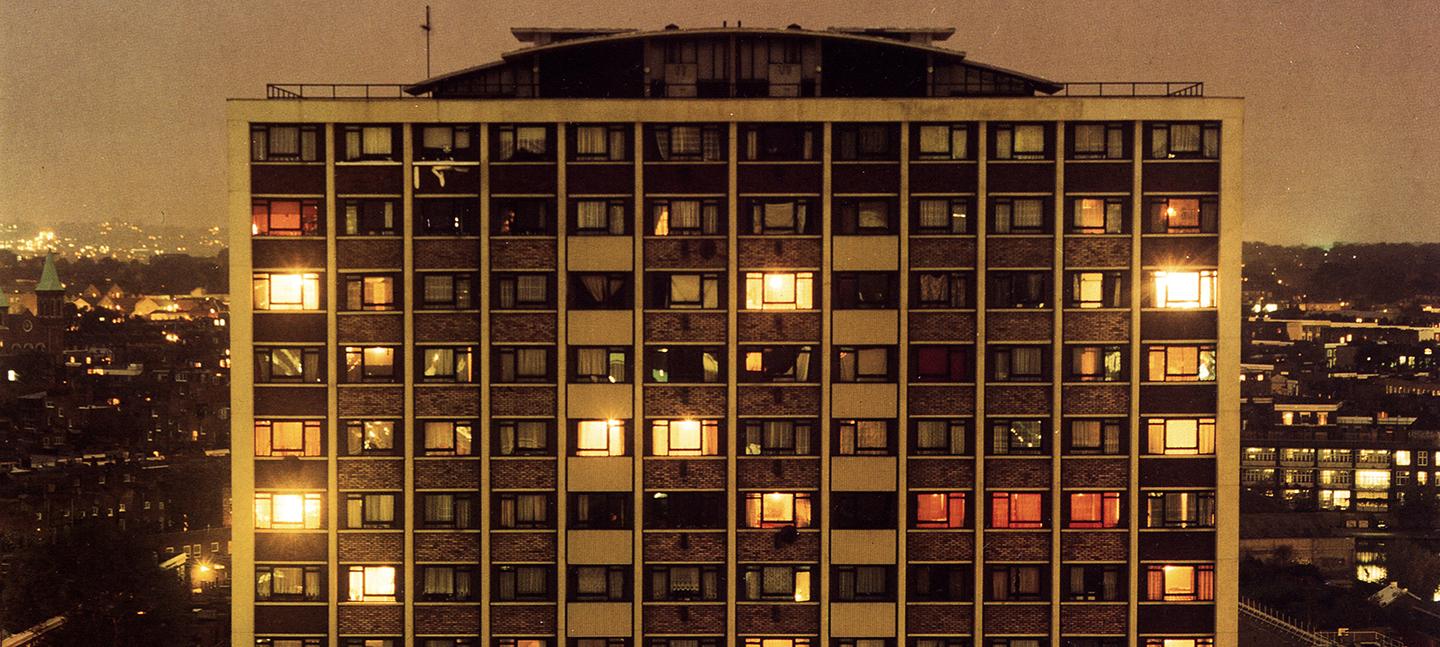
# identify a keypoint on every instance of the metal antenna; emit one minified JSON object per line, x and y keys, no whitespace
{"x":427,"y":27}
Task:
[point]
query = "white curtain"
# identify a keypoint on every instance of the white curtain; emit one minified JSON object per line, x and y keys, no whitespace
{"x":590,"y":140}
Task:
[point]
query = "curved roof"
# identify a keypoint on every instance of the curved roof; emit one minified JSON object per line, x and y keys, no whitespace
{"x":847,"y":34}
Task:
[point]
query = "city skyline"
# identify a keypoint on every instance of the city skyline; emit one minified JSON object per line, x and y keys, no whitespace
{"x":147,"y":85}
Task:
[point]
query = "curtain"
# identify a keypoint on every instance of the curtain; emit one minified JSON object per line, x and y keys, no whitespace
{"x":376,"y":140}
{"x":530,"y":581}
{"x":753,"y":505}
{"x":506,"y":294}
{"x":590,"y":140}
{"x":873,"y":362}
{"x":935,"y":140}
{"x":530,"y":508}
{"x":507,"y":145}
{"x":685,"y":289}
{"x":802,"y":365}
{"x":1025,"y":361}
{"x":685,"y":215}
{"x":287,"y":581}
{"x":778,"y":434}
{"x":530,"y":289}
{"x":1154,"y":583}
{"x":873,"y":140}
{"x":685,"y":140}
{"x":874,"y":214}
{"x":440,"y":508}
{"x":1004,"y":144}
{"x":440,"y":362}
{"x":1090,"y":138}
{"x":713,"y":147}
{"x":284,"y":141}
{"x":847,"y":366}
{"x":591,"y":214}
{"x":531,"y":362}
{"x":870,"y":581}
{"x":530,"y":435}
{"x":931,"y":508}
{"x":933,"y":288}
{"x":662,"y":143}
{"x":380,"y":508}
{"x":779,"y":580}
{"x":437,"y":137}
{"x":1030,"y":139}
{"x":595,"y":287}
{"x":1086,"y":506}
{"x":439,"y":289}
{"x":439,"y":580}
{"x":354,"y":512}
{"x":683,"y":581}
{"x":617,"y":144}
{"x":1185,"y":138}
{"x":1085,"y":433}
{"x":932,"y":434}
{"x":530,"y":140}
{"x":780,"y":216}
{"x":439,"y":435}
{"x":1029,"y":213}
{"x":590,"y":362}
{"x":935,"y":214}
{"x":590,"y":580}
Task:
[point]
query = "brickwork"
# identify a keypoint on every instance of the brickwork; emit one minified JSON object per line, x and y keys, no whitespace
{"x":683,"y":253}
{"x":290,"y":401}
{"x":369,"y":254}
{"x":790,"y":618}
{"x":1079,"y":325}
{"x":509,"y":546}
{"x":941,"y":400}
{"x":448,"y":473}
{"x":439,"y":254}
{"x":778,"y":400}
{"x":684,"y":401}
{"x":789,"y":253}
{"x":1003,"y":326}
{"x":522,"y":619}
{"x":447,"y":547}
{"x":1097,"y":251}
{"x":778,"y":326}
{"x":1028,"y":251}
{"x":1095,"y":399}
{"x":1002,"y":473}
{"x":685,"y":618}
{"x":664,"y":474}
{"x":526,"y":327}
{"x":1017,"y":546}
{"x":1017,"y":400}
{"x":290,"y":546}
{"x":940,"y":618}
{"x":1180,"y":252}
{"x":370,"y":546}
{"x":1095,"y":472}
{"x":449,"y":401}
{"x":767,"y":546}
{"x":370,"y":328}
{"x":522,"y":473}
{"x":518,"y":254}
{"x":370,"y":473}
{"x":941,"y":473}
{"x":684,"y":547}
{"x":685,"y":326}
{"x":366,"y":401}
{"x":1094,"y":545}
{"x":447,"y":327}
{"x":522,"y":400}
{"x":284,"y":254}
{"x":942,"y":326}
{"x":447,"y":619}
{"x":291,"y":473}
{"x":942,"y":253}
{"x":291,"y":619}
{"x":778,"y":473}
{"x":940,"y":545}
{"x":1017,"y":619}
{"x":370,"y":618}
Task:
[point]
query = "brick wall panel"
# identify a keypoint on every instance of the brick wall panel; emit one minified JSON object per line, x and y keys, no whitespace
{"x":941,"y":400}
{"x":447,"y":547}
{"x":942,"y":252}
{"x":517,"y":254}
{"x":684,"y":401}
{"x":685,"y":326}
{"x":1095,"y":472}
{"x":763,"y":546}
{"x":1017,"y":619}
{"x":459,"y":254}
{"x":370,"y":619}
{"x":448,"y":473}
{"x":1002,"y":326}
{"x":379,"y":329}
{"x":368,"y":401}
{"x":696,"y":547}
{"x":941,"y":473}
{"x":370,"y":473}
{"x":1097,"y":251}
{"x":1001,"y":546}
{"x":777,"y":253}
{"x":940,"y":618}
{"x":522,"y":328}
{"x":1028,"y":251}
{"x":1003,"y":473}
{"x":778,"y":400}
{"x":522,"y":619}
{"x":522,"y":473}
{"x":778,"y":473}
{"x":942,"y":546}
{"x":681,"y":619}
{"x":447,"y":619}
{"x":447,"y":327}
{"x":522,"y":400}
{"x":1094,"y":546}
{"x":778,"y":326}
{"x":685,"y":253}
{"x":370,"y":253}
{"x":381,"y":547}
{"x":1093,"y":619}
{"x":1017,"y":400}
{"x":522,"y":546}
{"x":1095,"y":399}
{"x":777,"y":618}
{"x":290,"y":547}
{"x":1079,"y":325}
{"x":686,"y":473}
{"x":942,"y":326}
{"x":448,"y":401}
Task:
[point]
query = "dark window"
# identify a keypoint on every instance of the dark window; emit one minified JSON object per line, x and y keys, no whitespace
{"x":1098,"y":141}
{"x":1018,"y":289}
{"x":864,"y":216}
{"x":446,"y":143}
{"x":600,"y":364}
{"x":1098,"y":215}
{"x":289,"y":364}
{"x":1099,"y":289}
{"x":369,"y":217}
{"x":940,"y":436}
{"x":778,"y":437}
{"x":600,"y":143}
{"x":446,"y":291}
{"x":1016,"y":582}
{"x":447,"y":217}
{"x":370,"y":364}
{"x":779,"y":216}
{"x":529,"y":583}
{"x":1024,"y":437}
{"x":940,"y":142}
{"x":940,"y":215}
{"x":452,"y":364}
{"x":531,"y":510}
{"x":276,"y":217}
{"x":600,"y":217}
{"x":599,"y":583}
{"x":864,"y":364}
{"x":684,"y":364}
{"x":1185,"y":140}
{"x":1182,"y":215}
{"x":942,"y":363}
{"x":597,"y":291}
{"x":1019,"y":216}
{"x":448,"y":510}
{"x":689,"y":582}
{"x":521,"y":143}
{"x":368,"y":143}
{"x":684,"y":510}
{"x":447,"y":437}
{"x":447,"y":583}
{"x":686,"y":217}
{"x":600,"y":511}
{"x":370,"y":437}
{"x":862,"y":510}
{"x":867,"y":583}
{"x":791,"y":363}
{"x":518,"y":437}
{"x":865,"y":290}
{"x":522,"y":217}
{"x":1020,"y":141}
{"x":686,"y":142}
{"x":685,"y":291}
{"x":864,"y":437}
{"x":866,"y":142}
{"x":522,"y":291}
{"x":1019,"y":363}
{"x":276,"y":583}
{"x":941,"y":582}
{"x":1096,"y":363}
{"x":940,"y":290}
{"x":286,"y":143}
{"x":369,"y":292}
{"x":512,"y":364}
{"x":1095,"y":436}
{"x":1190,"y":509}
{"x":779,"y":142}
{"x":778,"y":582}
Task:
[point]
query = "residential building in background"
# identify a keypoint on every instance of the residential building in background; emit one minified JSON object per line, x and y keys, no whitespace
{"x":735,"y":336}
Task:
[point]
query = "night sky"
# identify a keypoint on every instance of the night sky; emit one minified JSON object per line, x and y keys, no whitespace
{"x":114,"y":109}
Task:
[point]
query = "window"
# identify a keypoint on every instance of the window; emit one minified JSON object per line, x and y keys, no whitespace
{"x":684,"y":364}
{"x":940,"y":290}
{"x":868,"y":583}
{"x":778,"y":510}
{"x":370,"y":292}
{"x":524,"y":510}
{"x":939,"y":642}
{"x":779,"y":290}
{"x":779,"y":216}
{"x":448,"y":510}
{"x":447,"y":438}
{"x":449,"y":291}
{"x":450,"y":364}
{"x":1180,"y":436}
{"x":677,"y":217}
{"x":1179,"y":582}
{"x":860,"y":142}
{"x":289,"y":364}
{"x":777,"y":582}
{"x":1093,"y":510}
{"x":790,"y":363}
{"x":1192,"y":140}
{"x":1181,"y":363}
{"x":941,"y":141}
{"x":862,"y":642}
{"x":277,"y":217}
{"x":1019,"y":363}
{"x":1098,"y":290}
{"x":694,"y":583}
{"x":288,"y":511}
{"x":514,"y":364}
{"x":942,"y":363}
{"x":447,"y":583}
{"x":370,"y":364}
{"x":522,"y":217}
{"x":600,"y":143}
{"x":939,"y":510}
{"x":286,"y":143}
{"x":288,"y":438}
{"x":1172,"y":509}
{"x":277,"y":291}
{"x":600,"y":217}
{"x":1182,"y":216}
{"x":1019,"y":437}
{"x":1099,"y":141}
{"x":864,"y":364}
{"x":600,"y":511}
{"x":367,"y":143}
{"x":684,"y":291}
{"x":522,"y":437}
{"x":940,"y":583}
{"x":1095,"y":436}
{"x":1019,"y":216}
{"x":777,"y":437}
{"x":369,"y":217}
{"x":1179,"y":642}
{"x":940,"y":216}
{"x":1094,"y":583}
{"x":684,"y":437}
{"x":1096,"y":363}
{"x":1017,"y":510}
{"x":599,"y":583}
{"x":1018,"y":582}
{"x":864,"y":290}
{"x":370,"y":510}
{"x":521,"y":143}
{"x":862,"y":511}
{"x":599,"y":438}
{"x":447,"y":217}
{"x":521,"y":291}
{"x":939,"y":437}
{"x":289,"y":583}
{"x":1183,"y":290}
{"x":516,"y":583}
{"x":779,"y":142}
{"x":1012,"y":289}
{"x":1020,"y":142}
{"x":599,"y":364}
{"x":442,"y":143}
{"x":1098,"y":215}
{"x":688,"y":143}
{"x":685,"y":510}
{"x":864,"y":438}
{"x":864,"y":216}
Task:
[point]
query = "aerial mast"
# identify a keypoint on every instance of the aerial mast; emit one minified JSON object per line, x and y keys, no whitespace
{"x":426,"y":27}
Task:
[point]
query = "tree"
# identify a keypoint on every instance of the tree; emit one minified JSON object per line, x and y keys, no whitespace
{"x":1413,"y":566}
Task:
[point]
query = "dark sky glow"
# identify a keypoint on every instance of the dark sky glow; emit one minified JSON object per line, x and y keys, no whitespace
{"x":115,"y":109}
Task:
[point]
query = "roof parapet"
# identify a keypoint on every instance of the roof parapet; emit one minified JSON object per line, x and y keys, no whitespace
{"x":538,"y":36}
{"x":922,"y":35}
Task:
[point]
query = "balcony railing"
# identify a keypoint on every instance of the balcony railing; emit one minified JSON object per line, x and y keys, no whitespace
{"x":1132,"y":89}
{"x":336,"y":91}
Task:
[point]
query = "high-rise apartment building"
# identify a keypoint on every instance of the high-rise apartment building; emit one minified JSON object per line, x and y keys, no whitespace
{"x":735,"y":337}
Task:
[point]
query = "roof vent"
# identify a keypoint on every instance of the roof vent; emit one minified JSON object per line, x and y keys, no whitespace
{"x":794,"y":27}
{"x":671,"y":27}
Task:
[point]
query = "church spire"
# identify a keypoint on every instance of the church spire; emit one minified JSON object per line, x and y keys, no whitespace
{"x":49,"y":278}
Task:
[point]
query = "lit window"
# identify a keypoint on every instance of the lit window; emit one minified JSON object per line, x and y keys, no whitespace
{"x":942,"y":141}
{"x":448,"y":438}
{"x":1017,"y":510}
{"x":1096,"y":436}
{"x":777,"y":509}
{"x":285,"y":218}
{"x":1098,"y":290}
{"x":1372,"y":479}
{"x":1402,"y":457}
{"x":940,"y":510}
{"x":685,"y":437}
{"x":1181,"y":436}
{"x":1185,"y":289}
{"x":673,"y":217}
{"x":1097,"y":363}
{"x":776,"y":582}
{"x":1182,"y":642}
{"x":288,"y":438}
{"x":370,"y":364}
{"x":1181,"y":364}
{"x":371,"y":584}
{"x":600,"y":438}
{"x":1019,"y":141}
{"x":1094,"y":510}
{"x":1180,"y":583}
{"x":779,"y":290}
{"x":287,"y":511}
{"x":275,"y":291}
{"x":1097,"y":216}
{"x":369,"y":292}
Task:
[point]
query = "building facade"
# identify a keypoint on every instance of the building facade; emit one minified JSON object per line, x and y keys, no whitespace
{"x":754,"y":337}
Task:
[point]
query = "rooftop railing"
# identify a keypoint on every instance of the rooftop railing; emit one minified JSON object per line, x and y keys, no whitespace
{"x":1076,"y":89}
{"x":1132,"y":89}
{"x":336,"y":91}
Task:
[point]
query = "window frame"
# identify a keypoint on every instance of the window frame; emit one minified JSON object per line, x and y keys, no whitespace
{"x":309,"y":214}
{"x":1111,"y":151}
{"x":953,"y":204}
{"x":501,"y":427}
{"x":1003,"y":215}
{"x":310,"y":286}
{"x":359,"y":297}
{"x":1158,"y":216}
{"x":805,"y":216}
{"x":1005,"y":135}
{"x":1010,"y":446}
{"x":710,"y":212}
{"x":865,"y":290}
{"x":457,"y":431}
{"x":848,"y":216}
{"x":349,"y":136}
{"x":506,"y":365}
{"x":309,"y":575}
{"x":610,"y":154}
{"x":754,"y":429}
{"x":1110,"y":501}
{"x":616,"y":437}
{"x":617,"y":217}
{"x":357,"y":217}
{"x":1111,"y":436}
{"x":366,"y":371}
{"x":310,"y":358}
{"x":957,"y":501}
{"x":759,"y":283}
{"x":500,"y":133}
{"x":312,"y":437}
{"x":311,"y":152}
{"x":1162,"y":148}
{"x":470,"y":152}
{"x":965,"y":130}
{"x":960,"y":428}
{"x":846,"y":437}
{"x":710,"y":437}
{"x":1162,"y":370}
{"x":1114,"y":222}
{"x":507,"y":513}
{"x":799,"y":516}
{"x":463,"y":288}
